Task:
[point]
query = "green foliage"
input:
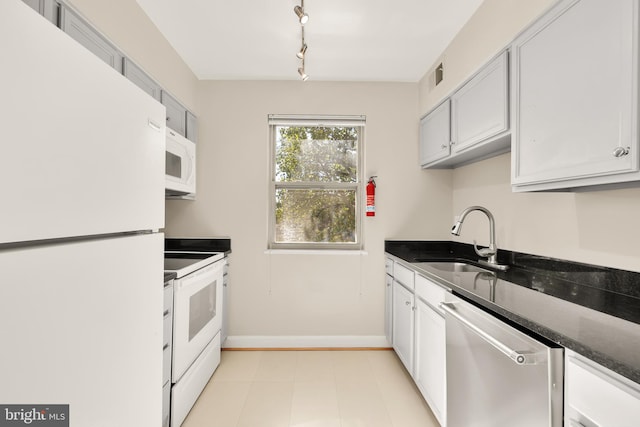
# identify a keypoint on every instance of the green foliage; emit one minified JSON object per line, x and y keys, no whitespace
{"x":322,"y":155}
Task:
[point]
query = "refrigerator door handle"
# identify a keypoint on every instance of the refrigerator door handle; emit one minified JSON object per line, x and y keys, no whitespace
{"x":153,"y":125}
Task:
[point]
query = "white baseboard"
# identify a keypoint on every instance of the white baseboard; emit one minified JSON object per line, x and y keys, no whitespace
{"x":337,"y":341}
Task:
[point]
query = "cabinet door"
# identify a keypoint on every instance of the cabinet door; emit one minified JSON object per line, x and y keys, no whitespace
{"x":36,"y":5}
{"x":479,"y":109}
{"x":192,"y":127}
{"x":596,"y":396}
{"x":403,"y":324}
{"x":176,"y":113}
{"x":388,"y":310}
{"x":435,"y":134}
{"x":87,"y":36}
{"x":430,"y":362}
{"x":140,"y":78}
{"x":575,"y":97}
{"x":46,"y":8}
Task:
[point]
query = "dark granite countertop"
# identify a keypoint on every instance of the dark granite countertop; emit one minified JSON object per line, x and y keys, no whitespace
{"x":592,"y":310}
{"x":198,"y":244}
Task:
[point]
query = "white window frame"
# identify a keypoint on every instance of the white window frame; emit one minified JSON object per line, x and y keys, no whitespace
{"x":312,"y":120}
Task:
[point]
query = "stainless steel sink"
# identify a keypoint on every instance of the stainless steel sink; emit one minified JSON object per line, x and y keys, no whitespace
{"x":455,"y":267}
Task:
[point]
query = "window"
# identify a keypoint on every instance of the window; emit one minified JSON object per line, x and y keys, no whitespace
{"x":315,"y":182}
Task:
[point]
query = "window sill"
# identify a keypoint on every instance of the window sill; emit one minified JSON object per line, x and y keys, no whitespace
{"x":316,"y":252}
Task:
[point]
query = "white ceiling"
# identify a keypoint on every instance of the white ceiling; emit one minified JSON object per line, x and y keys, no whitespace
{"x":348,"y":40}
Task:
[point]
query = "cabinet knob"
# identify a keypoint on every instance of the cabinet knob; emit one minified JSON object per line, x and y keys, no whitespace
{"x":452,"y":143}
{"x":407,"y":302}
{"x":443,"y":146}
{"x":620,"y":151}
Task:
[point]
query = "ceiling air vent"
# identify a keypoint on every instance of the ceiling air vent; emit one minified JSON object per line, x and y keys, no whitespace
{"x":439,"y":73}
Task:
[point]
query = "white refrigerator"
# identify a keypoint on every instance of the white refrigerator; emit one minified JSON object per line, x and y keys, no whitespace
{"x":81,"y":248}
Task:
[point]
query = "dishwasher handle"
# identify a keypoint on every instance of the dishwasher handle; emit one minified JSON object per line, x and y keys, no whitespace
{"x":519,"y":357}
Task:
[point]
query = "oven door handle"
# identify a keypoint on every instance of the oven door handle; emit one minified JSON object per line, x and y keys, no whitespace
{"x":519,"y":357}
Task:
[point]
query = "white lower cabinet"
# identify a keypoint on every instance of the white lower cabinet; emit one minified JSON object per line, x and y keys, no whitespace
{"x":418,"y":332}
{"x":403,"y":322}
{"x":430,"y":343}
{"x":388,"y":310}
{"x":597,"y":397}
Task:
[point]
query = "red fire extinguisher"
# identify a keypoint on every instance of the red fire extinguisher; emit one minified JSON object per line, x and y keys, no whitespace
{"x":371,"y":197}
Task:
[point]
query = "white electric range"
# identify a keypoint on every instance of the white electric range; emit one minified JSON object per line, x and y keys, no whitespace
{"x":197,"y":321}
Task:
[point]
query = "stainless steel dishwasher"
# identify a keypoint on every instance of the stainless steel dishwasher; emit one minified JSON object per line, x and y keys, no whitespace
{"x":498,"y":376}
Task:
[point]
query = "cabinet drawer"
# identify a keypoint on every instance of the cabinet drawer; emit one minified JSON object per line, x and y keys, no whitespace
{"x":600,"y":395}
{"x":388,"y":266}
{"x":403,"y":275}
{"x":430,"y":292}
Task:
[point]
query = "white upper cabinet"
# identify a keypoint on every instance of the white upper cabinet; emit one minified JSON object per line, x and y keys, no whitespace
{"x":46,"y":8}
{"x":480,"y":108}
{"x":471,"y":125}
{"x":176,"y":113}
{"x":435,"y":134}
{"x":141,"y":79}
{"x":89,"y":37}
{"x":575,"y":97}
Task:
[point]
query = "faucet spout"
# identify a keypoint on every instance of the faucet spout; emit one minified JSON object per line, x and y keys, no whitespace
{"x":492,"y":251}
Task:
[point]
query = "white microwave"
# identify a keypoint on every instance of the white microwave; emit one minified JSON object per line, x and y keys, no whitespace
{"x":180,"y":165}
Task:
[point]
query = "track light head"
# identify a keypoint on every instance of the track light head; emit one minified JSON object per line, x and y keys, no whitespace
{"x":304,"y":76}
{"x":303,"y":50}
{"x":303,"y":17}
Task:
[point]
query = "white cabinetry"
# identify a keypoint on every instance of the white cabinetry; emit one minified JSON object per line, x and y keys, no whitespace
{"x":435,"y":134}
{"x":403,"y":323}
{"x":479,"y":109}
{"x":46,"y":8}
{"x":140,"y":78}
{"x":388,"y":304}
{"x":86,"y":35}
{"x":575,"y":79}
{"x":598,"y":397}
{"x":473,"y":123}
{"x":418,"y":331}
{"x":430,"y":343}
{"x":176,"y":113}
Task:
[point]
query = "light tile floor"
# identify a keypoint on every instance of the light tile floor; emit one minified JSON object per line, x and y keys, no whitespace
{"x":310,"y":389}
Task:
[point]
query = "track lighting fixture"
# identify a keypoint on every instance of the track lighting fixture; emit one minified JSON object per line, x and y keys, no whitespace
{"x":303,"y":50}
{"x":303,"y":75}
{"x":303,"y":17}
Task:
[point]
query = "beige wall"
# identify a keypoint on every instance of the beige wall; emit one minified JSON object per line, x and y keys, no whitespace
{"x":307,"y":294}
{"x":494,"y":25}
{"x":597,"y":227}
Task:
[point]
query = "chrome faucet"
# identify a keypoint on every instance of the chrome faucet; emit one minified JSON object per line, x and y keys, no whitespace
{"x":491,"y":253}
